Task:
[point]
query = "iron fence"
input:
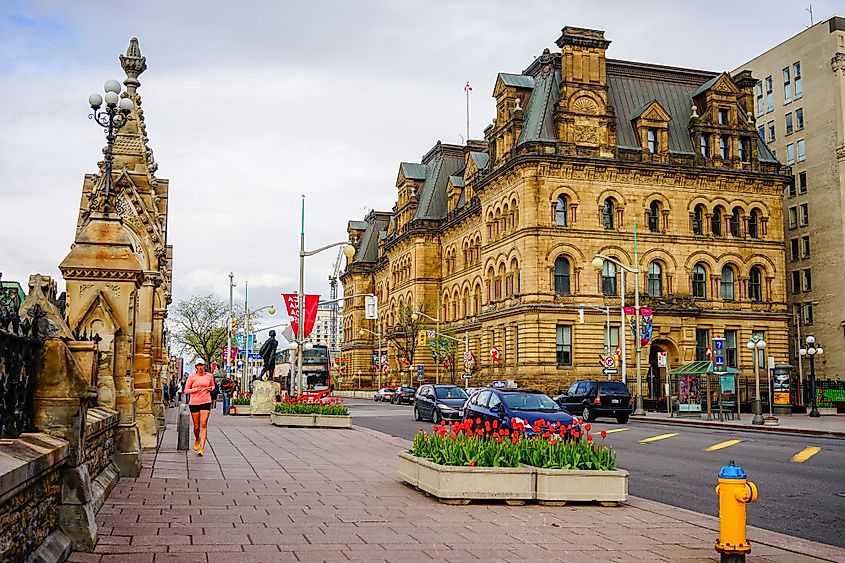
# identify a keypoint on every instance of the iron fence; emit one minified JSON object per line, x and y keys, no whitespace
{"x":21,"y":349}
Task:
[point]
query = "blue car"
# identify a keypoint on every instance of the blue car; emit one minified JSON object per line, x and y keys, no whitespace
{"x":527,"y":405}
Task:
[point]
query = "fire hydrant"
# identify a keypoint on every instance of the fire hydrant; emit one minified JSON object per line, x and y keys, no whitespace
{"x":734,"y":493}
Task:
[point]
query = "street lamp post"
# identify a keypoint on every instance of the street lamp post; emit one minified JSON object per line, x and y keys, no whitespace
{"x":349,"y":252}
{"x":598,"y":263}
{"x":247,"y":315}
{"x":811,"y":350}
{"x":229,"y":328}
{"x":364,"y":331}
{"x":754,"y":344}
{"x":113,"y":117}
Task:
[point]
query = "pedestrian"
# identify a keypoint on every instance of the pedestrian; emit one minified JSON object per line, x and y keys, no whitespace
{"x":199,"y":386}
{"x":227,"y":387}
{"x":174,"y":389}
{"x":165,"y":389}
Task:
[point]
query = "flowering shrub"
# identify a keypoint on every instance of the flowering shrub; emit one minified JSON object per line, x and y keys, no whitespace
{"x":474,"y":444}
{"x":299,"y":405}
{"x":241,"y":401}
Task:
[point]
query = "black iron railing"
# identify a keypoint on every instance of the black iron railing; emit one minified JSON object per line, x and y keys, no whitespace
{"x":21,"y":349}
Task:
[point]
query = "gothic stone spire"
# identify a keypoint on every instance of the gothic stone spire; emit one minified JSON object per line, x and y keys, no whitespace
{"x":133,"y":65}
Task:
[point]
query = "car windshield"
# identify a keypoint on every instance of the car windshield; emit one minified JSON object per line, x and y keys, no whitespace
{"x":407,"y":390}
{"x":614,"y":387}
{"x":450,"y":393}
{"x":529,"y":402}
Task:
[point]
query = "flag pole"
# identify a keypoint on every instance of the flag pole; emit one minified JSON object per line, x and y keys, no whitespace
{"x":467,"y":89}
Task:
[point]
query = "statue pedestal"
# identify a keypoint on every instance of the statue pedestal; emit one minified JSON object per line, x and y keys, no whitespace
{"x":263,"y":399}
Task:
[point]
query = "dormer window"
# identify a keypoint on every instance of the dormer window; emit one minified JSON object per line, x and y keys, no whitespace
{"x":724,"y":147}
{"x":705,"y":145}
{"x":652,"y":141}
{"x":723,"y":116}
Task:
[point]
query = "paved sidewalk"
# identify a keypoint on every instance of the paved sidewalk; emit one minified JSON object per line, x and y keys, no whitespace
{"x":793,"y":424}
{"x":333,"y":495}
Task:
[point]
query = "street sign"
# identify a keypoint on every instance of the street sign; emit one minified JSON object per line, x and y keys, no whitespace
{"x":420,"y":371}
{"x":718,"y":343}
{"x":663,"y":359}
{"x":610,"y":371}
{"x":719,"y":364}
{"x":467,"y":376}
{"x":499,"y":384}
{"x":609,"y":361}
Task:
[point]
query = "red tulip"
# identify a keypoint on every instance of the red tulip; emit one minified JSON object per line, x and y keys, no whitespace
{"x":495,"y":424}
{"x":587,"y":427}
{"x":478,"y":421}
{"x":604,"y":434}
{"x":472,"y":464}
{"x":589,"y":438}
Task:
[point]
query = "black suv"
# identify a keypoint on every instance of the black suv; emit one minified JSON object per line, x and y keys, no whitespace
{"x":437,"y":402}
{"x":594,"y":398}
{"x":403,"y":395}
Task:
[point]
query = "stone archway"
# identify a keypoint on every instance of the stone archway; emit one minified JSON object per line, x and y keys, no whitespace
{"x":658,"y":375}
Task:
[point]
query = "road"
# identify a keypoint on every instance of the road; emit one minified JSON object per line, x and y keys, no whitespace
{"x":804,"y":499}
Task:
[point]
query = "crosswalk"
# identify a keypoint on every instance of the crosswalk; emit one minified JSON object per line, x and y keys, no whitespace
{"x":800,"y":457}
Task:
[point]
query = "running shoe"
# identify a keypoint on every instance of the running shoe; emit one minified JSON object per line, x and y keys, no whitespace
{"x":200,"y":452}
{"x":196,"y":446}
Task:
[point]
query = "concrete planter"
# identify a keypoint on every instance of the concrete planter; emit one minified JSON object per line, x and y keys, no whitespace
{"x":333,"y":420}
{"x":559,"y":486}
{"x":279,"y":419}
{"x":459,"y":485}
{"x":240,"y":410}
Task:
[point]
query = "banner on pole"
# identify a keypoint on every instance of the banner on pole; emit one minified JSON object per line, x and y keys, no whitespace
{"x":292,"y":304}
{"x":631,"y":319}
{"x":646,"y":325}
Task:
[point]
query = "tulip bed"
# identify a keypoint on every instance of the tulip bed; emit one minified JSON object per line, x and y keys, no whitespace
{"x":476,"y":444}
{"x":329,"y":406}
{"x":240,"y":401}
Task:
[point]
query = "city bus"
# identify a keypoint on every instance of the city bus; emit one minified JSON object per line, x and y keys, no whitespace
{"x":315,"y":367}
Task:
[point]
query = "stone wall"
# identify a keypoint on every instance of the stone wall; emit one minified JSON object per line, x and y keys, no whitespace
{"x":30,"y":493}
{"x":99,"y":439}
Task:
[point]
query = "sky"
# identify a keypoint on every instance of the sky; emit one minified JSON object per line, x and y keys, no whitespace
{"x":250,"y":104}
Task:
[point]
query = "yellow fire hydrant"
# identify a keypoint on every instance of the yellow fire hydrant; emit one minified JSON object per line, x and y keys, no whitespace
{"x":734,"y":491}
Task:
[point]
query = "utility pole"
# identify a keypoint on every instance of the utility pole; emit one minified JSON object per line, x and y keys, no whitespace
{"x":229,"y":327}
{"x":244,"y":379}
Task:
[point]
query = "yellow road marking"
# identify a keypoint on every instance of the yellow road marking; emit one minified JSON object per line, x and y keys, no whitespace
{"x":612,"y":430}
{"x":720,"y":445}
{"x":659,"y":437}
{"x":806,"y":454}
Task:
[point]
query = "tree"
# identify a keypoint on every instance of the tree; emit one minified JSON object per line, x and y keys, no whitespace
{"x":451,"y":352}
{"x":198,"y":326}
{"x":403,"y":334}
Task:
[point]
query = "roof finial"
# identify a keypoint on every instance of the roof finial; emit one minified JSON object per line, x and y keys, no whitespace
{"x":133,"y":65}
{"x":694,"y":112}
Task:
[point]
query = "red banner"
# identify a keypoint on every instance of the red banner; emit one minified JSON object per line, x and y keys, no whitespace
{"x":292,"y":304}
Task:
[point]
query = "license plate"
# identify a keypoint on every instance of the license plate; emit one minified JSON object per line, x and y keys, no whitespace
{"x":614,"y":401}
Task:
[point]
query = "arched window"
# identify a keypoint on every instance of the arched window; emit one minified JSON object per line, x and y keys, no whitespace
{"x":608,"y":212}
{"x":562,"y":284}
{"x":699,"y":281}
{"x":754,"y":224}
{"x":755,"y":284}
{"x":608,"y":278}
{"x":654,"y":217}
{"x":727,"y":283}
{"x":736,"y":222}
{"x":561,"y":211}
{"x":716,"y":222}
{"x":655,"y":279}
{"x":476,"y":302}
{"x":698,"y":220}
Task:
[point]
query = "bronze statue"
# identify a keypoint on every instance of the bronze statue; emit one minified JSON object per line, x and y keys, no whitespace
{"x":268,"y":354}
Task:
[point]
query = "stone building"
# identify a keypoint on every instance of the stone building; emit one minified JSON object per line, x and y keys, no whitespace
{"x":799,"y":104}
{"x":496,"y":238}
{"x":118,"y":276}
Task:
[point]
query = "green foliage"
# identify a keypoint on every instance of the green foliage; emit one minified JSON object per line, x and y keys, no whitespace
{"x":308,"y":408}
{"x":240,"y":401}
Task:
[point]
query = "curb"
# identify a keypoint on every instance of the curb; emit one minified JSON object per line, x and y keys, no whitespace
{"x":748,"y":427}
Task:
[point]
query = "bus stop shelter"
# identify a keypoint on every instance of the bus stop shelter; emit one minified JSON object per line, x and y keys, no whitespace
{"x":695,"y":390}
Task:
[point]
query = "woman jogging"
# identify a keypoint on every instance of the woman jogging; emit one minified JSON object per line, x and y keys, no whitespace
{"x":199,"y":386}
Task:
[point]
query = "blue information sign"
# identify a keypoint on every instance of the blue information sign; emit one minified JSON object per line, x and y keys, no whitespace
{"x":420,"y":371}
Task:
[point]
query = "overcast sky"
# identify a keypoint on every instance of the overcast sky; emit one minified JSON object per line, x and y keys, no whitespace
{"x":249,"y":104}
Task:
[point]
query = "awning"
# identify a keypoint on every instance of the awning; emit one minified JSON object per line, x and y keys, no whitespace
{"x":700,"y":368}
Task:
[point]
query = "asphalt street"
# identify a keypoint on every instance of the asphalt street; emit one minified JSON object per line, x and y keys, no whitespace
{"x":680,"y":464}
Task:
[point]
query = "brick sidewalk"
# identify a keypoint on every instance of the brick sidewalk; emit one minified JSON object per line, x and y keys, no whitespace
{"x":333,"y":495}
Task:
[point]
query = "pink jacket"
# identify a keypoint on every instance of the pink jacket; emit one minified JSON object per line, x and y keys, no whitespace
{"x":194,"y":387}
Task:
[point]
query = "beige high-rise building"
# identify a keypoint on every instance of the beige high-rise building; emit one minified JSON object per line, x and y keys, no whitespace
{"x":799,"y":106}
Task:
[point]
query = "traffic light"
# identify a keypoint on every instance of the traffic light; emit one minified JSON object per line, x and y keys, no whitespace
{"x":421,"y":340}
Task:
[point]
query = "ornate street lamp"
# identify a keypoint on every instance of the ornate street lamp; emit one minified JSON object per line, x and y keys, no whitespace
{"x":114,"y":116}
{"x":811,"y":350}
{"x":754,"y":344}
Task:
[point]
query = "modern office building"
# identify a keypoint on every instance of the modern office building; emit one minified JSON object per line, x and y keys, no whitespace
{"x":799,"y":108}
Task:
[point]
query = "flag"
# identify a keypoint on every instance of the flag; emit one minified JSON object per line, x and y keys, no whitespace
{"x":292,"y":304}
{"x":467,"y":88}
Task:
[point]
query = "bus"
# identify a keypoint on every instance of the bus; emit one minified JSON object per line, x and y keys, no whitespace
{"x":315,"y":367}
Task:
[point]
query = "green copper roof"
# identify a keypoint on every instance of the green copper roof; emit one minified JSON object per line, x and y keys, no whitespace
{"x":517,"y":80}
{"x":413,"y":171}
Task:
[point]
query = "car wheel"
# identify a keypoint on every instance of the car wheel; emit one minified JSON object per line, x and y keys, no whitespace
{"x":435,"y":416}
{"x":586,"y":414}
{"x":622,"y":419}
{"x":417,"y":414}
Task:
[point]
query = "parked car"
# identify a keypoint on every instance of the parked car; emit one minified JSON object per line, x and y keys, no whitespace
{"x":594,"y":398}
{"x":436,"y":402}
{"x":384,"y":395}
{"x":526,"y":405}
{"x":403,"y":395}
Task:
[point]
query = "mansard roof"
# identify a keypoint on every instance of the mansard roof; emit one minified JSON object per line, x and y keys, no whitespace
{"x":375,"y":223}
{"x":441,"y":161}
{"x":539,"y":115}
{"x":517,"y":80}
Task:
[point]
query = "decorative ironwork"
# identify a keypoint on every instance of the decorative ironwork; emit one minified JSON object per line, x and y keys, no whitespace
{"x":111,"y":118}
{"x":21,"y":347}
